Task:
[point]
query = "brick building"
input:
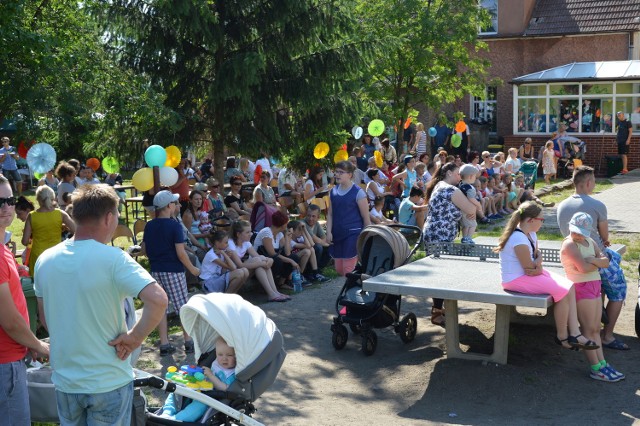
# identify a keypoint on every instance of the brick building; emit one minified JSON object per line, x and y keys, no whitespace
{"x":537,"y":49}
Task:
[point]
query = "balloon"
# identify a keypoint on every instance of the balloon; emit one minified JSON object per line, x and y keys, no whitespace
{"x":356,"y":132}
{"x":376,"y":127}
{"x":407,"y":123}
{"x":168,"y":176}
{"x":461,"y":126}
{"x":456,"y":140}
{"x":93,"y":163}
{"x":340,"y":155}
{"x":38,"y":175}
{"x":143,"y":179}
{"x":321,"y":150}
{"x":41,"y":157}
{"x":155,"y":155}
{"x":432,"y":131}
{"x":378,"y":156}
{"x":110,"y":165}
{"x":173,"y":156}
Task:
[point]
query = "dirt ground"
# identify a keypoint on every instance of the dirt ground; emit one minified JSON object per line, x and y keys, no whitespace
{"x":415,"y":384}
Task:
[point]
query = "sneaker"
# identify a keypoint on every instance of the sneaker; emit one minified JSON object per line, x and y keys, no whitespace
{"x":614,"y":371}
{"x":548,"y":204}
{"x":306,"y":282}
{"x":167,"y":349}
{"x":604,"y":375}
{"x":188,"y":347}
{"x":624,"y":171}
{"x":503,"y":212}
{"x":485,"y":220}
{"x":320,"y":278}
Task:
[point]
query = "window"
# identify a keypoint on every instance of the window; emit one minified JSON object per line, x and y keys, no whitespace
{"x":581,"y":107}
{"x":484,"y":108}
{"x":491,"y":6}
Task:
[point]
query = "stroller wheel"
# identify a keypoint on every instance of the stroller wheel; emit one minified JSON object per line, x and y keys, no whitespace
{"x":369,"y":342}
{"x":355,"y":328}
{"x":340,"y":336}
{"x":408,"y":327}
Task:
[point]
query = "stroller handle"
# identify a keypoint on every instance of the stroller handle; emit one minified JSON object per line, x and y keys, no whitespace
{"x":155,"y":382}
{"x":411,"y":227}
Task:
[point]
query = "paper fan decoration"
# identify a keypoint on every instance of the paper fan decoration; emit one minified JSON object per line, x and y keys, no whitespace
{"x":376,"y":127}
{"x":340,"y":155}
{"x":41,"y":158}
{"x":173,"y":156}
{"x":93,"y":163}
{"x":22,"y":149}
{"x":321,"y":150}
{"x":110,"y":165}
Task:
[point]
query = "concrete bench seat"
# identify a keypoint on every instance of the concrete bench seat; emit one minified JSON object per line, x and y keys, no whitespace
{"x":455,"y":274}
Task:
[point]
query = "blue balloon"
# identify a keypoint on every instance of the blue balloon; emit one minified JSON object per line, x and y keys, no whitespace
{"x":155,"y":155}
{"x":432,"y":131}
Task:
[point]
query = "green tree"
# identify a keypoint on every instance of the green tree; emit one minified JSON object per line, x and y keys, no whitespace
{"x":272,"y":75}
{"x":428,"y":54}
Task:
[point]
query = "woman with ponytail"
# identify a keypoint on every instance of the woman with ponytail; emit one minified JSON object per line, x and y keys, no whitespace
{"x":521,"y":269}
{"x":447,"y":204}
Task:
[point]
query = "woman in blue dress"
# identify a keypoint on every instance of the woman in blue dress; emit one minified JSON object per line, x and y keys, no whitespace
{"x":343,"y":229}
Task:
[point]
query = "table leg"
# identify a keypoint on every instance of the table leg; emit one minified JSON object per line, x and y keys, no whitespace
{"x":500,"y":337}
{"x":126,"y":212}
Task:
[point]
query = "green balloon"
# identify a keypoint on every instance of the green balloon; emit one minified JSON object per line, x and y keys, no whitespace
{"x":110,"y":165}
{"x":38,"y":175}
{"x":456,"y":140}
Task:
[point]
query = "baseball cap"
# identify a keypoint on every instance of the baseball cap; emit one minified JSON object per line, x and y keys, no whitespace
{"x":163,"y":198}
{"x":468,"y":170}
{"x":407,"y":158}
{"x":581,"y":223}
{"x":200,"y":186}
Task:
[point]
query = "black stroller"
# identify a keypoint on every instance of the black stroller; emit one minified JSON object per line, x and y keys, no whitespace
{"x":574,"y":153}
{"x":380,"y":249}
{"x":259,"y":347}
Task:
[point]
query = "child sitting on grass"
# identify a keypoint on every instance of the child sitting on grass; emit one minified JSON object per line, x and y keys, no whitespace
{"x":219,"y":273}
{"x":376,"y":215}
{"x":222,"y":373}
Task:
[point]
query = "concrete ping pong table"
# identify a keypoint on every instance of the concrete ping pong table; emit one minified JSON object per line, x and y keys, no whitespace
{"x":462,"y":273}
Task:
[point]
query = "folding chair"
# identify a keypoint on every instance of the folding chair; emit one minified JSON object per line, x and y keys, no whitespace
{"x":122,"y":231}
{"x":138,"y":228}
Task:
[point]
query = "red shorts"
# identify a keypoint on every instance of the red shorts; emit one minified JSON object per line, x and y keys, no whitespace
{"x":588,"y":290}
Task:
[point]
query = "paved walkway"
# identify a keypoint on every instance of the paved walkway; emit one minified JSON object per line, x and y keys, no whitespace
{"x":622,"y":201}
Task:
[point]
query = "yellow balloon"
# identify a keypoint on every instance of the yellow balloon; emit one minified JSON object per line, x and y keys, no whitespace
{"x":173,"y":156}
{"x":378,"y":156}
{"x":321,"y":150}
{"x":340,"y":155}
{"x":143,"y":179}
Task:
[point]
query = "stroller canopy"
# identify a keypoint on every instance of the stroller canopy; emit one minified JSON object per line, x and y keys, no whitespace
{"x":398,"y":245}
{"x":243,"y":325}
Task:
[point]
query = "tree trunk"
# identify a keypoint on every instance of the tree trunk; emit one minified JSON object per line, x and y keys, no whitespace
{"x":219,"y":161}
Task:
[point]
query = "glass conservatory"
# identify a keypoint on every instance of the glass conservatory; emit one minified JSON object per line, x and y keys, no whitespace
{"x":582,"y":96}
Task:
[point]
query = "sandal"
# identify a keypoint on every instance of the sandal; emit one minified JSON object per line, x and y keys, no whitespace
{"x":616,"y":344}
{"x":279,"y":299}
{"x":567,"y":346}
{"x":589,"y":345}
{"x":437,"y":317}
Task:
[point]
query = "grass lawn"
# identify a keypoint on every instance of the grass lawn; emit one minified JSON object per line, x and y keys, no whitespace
{"x":558,"y":196}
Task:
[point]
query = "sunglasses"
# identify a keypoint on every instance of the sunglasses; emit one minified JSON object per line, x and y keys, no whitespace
{"x":11,"y":201}
{"x":237,"y":184}
{"x":541,"y":219}
{"x":215,"y":186}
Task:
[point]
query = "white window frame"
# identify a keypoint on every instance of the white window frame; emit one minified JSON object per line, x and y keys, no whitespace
{"x":494,"y":22}
{"x":486,"y":104}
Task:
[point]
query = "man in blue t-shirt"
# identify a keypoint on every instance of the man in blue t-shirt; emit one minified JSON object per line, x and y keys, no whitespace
{"x":81,"y":285}
{"x":163,"y":243}
{"x":412,"y":210}
{"x":8,"y":157}
{"x":625,"y":129}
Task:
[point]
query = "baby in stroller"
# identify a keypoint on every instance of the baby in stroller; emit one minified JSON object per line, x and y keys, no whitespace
{"x":249,"y":348}
{"x":222,"y":373}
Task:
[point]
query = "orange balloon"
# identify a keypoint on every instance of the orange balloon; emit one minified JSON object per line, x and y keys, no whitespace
{"x":93,"y":163}
{"x":461,"y":126}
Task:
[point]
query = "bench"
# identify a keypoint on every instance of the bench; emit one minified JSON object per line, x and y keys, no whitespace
{"x":462,"y":272}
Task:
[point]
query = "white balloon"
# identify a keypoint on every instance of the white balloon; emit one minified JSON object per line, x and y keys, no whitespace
{"x":168,"y":176}
{"x":357,"y":132}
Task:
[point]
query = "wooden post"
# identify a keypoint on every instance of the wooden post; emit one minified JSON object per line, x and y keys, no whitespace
{"x":156,"y":179}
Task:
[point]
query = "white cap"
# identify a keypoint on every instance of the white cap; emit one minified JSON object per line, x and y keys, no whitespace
{"x":163,"y":198}
{"x":581,"y":223}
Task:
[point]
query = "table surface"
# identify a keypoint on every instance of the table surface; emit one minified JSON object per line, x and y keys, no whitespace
{"x":123,"y":187}
{"x":134,"y":199}
{"x":456,"y":278}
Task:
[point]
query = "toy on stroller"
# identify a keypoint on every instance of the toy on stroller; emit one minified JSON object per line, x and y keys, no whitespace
{"x":574,"y":152}
{"x":529,"y":170}
{"x":380,"y":249}
{"x":259,"y":349}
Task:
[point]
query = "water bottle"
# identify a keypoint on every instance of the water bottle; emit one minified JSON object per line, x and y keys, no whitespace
{"x":297,"y":281}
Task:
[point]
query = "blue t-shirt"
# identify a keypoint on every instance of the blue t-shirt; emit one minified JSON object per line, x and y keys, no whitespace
{"x":9,"y":162}
{"x":160,"y":238}
{"x":442,"y":133}
{"x":83,"y":285}
{"x":406,"y":214}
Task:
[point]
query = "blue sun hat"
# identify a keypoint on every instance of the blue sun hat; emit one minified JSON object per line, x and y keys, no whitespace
{"x":581,"y":223}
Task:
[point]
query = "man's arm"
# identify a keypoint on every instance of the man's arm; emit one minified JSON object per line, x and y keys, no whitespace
{"x":603,"y":230}
{"x":14,"y":324}
{"x":155,"y":304}
{"x":184,"y":259}
{"x":630,"y":132}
